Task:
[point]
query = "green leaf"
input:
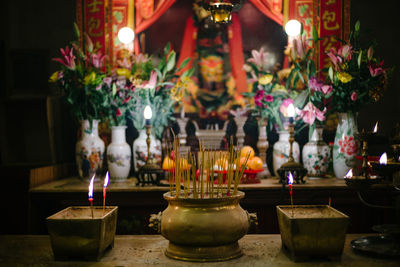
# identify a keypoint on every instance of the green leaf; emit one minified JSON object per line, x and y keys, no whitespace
{"x":76,"y":30}
{"x":315,"y":34}
{"x":184,"y":63}
{"x":171,"y":61}
{"x":359,"y":59}
{"x":331,"y":73}
{"x":357,"y":26}
{"x":114,"y":89}
{"x":301,"y":99}
{"x":167,"y":48}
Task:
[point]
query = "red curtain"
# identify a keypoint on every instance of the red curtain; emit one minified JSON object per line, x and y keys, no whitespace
{"x":142,"y":23}
{"x":266,"y":8}
{"x":188,"y":46}
{"x":236,"y":55}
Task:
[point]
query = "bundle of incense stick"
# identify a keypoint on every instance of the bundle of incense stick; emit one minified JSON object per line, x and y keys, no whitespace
{"x":206,"y":180}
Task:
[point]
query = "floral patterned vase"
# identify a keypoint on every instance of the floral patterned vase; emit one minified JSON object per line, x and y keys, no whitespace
{"x":118,"y":154}
{"x":346,"y":146}
{"x":140,"y":150}
{"x":316,"y":155}
{"x":89,"y":150}
{"x":281,"y":151}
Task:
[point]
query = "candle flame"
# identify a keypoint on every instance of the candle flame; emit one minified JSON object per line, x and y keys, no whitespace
{"x":290,"y":178}
{"x":383,"y":159}
{"x":91,"y":185}
{"x":291,"y":111}
{"x":106,"y":180}
{"x":349,"y":174}
{"x":376,"y":127}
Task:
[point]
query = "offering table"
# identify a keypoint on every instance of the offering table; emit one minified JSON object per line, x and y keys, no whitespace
{"x":136,"y":203}
{"x":148,"y":250}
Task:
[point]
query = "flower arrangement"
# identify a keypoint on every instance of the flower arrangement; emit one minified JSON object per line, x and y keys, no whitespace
{"x":312,"y":101}
{"x":269,"y":99}
{"x":358,"y":77}
{"x":81,"y":79}
{"x":159,"y":85}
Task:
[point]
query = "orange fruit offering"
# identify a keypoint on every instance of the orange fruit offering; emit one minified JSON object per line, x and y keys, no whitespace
{"x":245,"y":151}
{"x":241,"y":162}
{"x":168,"y":164}
{"x":184,"y":165}
{"x":255,"y":163}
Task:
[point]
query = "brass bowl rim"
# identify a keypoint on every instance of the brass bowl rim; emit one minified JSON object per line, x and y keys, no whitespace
{"x":239,"y":195}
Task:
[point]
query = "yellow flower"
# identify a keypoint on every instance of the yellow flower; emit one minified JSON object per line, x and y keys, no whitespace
{"x":266,"y":79}
{"x":54,"y":77}
{"x":90,"y":78}
{"x":124,"y":72}
{"x":279,"y":88}
{"x":344,"y":77}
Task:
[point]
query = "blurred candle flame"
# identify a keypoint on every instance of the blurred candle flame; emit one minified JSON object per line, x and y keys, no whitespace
{"x":376,"y":127}
{"x":383,"y":159}
{"x":106,"y":180}
{"x":291,"y":111}
{"x":349,"y":174}
{"x":290,"y":177}
{"x":91,"y":185}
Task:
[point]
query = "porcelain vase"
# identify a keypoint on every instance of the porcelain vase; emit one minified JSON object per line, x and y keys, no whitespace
{"x":89,"y":150}
{"x":140,"y":150}
{"x":118,"y":154}
{"x":346,"y":146}
{"x":316,"y":155}
{"x":281,"y":151}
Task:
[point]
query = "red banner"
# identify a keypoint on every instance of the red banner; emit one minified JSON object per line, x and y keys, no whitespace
{"x":303,"y":11}
{"x":331,"y":28}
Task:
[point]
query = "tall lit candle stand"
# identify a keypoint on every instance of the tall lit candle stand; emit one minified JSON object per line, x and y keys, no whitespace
{"x":149,"y":173}
{"x":297,"y":169}
{"x":387,"y":243}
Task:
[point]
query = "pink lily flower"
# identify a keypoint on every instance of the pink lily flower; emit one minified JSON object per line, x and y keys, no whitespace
{"x":97,"y":60}
{"x":259,"y":58}
{"x":89,"y":43}
{"x":370,"y":52}
{"x":376,"y":70}
{"x":310,"y":113}
{"x":315,"y":84}
{"x":326,"y":89}
{"x":107,"y":80}
{"x":346,"y":52}
{"x":335,"y":59}
{"x":68,"y":58}
{"x":152,"y":81}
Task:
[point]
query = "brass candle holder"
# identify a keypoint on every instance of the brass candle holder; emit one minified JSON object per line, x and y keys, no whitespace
{"x":297,"y":169}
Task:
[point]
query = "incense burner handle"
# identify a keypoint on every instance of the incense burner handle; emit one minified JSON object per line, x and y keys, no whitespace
{"x":155,"y":222}
{"x":253,"y":219}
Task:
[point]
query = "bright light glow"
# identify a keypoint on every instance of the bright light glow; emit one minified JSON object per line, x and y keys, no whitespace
{"x":293,"y":28}
{"x":106,"y":180}
{"x":291,"y":111}
{"x":290,"y":178}
{"x":383,"y":159}
{"x":147,"y":113}
{"x":91,"y":185}
{"x":376,"y":127}
{"x":126,"y":35}
{"x":349,"y":174}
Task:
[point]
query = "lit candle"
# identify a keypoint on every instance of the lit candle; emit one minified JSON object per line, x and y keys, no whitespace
{"x":376,"y":128}
{"x":349,"y":174}
{"x":383,"y":159}
{"x":290,"y":183}
{"x":106,"y":180}
{"x":291,"y":112}
{"x":91,"y":185}
{"x":147,"y":113}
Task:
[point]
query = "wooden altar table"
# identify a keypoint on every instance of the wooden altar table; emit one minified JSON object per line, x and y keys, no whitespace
{"x":136,"y":203}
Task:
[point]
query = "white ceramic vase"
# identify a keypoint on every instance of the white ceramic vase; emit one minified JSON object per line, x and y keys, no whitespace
{"x":281,"y":151}
{"x":89,"y":150}
{"x":346,"y":146}
{"x":140,"y":150}
{"x":316,"y":155}
{"x":118,"y":154}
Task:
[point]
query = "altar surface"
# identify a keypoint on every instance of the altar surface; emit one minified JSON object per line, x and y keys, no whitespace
{"x":148,"y":250}
{"x":136,"y":203}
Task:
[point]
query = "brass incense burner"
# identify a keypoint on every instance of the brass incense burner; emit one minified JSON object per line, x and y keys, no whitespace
{"x":203,"y":229}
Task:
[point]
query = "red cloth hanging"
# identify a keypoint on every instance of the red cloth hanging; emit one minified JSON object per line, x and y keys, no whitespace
{"x":188,"y":46}
{"x":142,"y":24}
{"x":266,"y":8}
{"x":236,"y":55}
